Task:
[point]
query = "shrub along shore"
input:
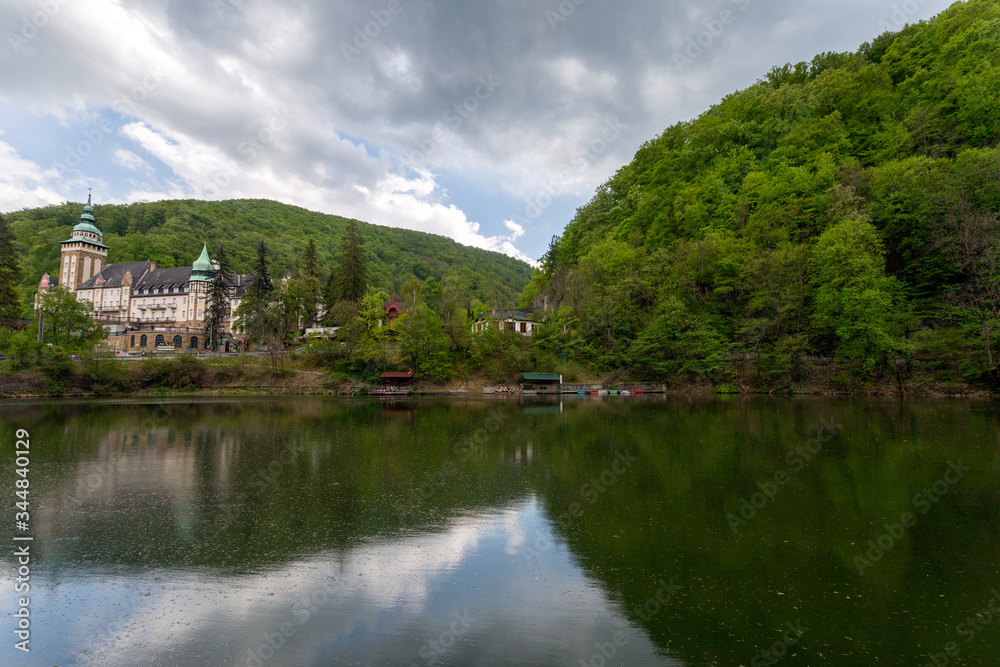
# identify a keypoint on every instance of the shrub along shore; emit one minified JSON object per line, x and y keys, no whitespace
{"x":63,"y":375}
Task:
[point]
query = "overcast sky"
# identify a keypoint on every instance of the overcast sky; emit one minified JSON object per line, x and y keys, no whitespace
{"x":488,"y":121}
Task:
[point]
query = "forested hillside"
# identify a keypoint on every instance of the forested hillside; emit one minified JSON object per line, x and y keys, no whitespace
{"x":844,"y":207}
{"x":172,"y":233}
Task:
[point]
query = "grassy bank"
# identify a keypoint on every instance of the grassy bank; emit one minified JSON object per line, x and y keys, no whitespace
{"x":60,"y":374}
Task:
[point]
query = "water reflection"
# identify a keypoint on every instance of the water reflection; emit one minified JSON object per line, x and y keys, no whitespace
{"x":315,"y":532}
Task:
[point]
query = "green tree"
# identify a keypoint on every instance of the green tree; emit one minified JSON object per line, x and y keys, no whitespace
{"x":309,"y":285}
{"x":369,"y":334}
{"x":855,"y":300}
{"x":330,"y":296}
{"x":424,"y":343}
{"x":677,"y":345}
{"x":10,"y":277}
{"x":23,"y":349}
{"x":253,"y":312}
{"x":217,"y":306}
{"x":500,"y":355}
{"x":351,"y":282}
{"x":280,"y":319}
{"x":67,"y":322}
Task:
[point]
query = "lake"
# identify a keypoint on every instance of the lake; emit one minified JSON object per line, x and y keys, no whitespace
{"x":587,"y":531}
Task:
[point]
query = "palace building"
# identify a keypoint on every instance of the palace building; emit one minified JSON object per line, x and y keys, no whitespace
{"x":142,"y":305}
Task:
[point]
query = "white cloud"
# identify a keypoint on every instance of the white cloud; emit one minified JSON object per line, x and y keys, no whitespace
{"x":126,"y":158}
{"x":23,"y":184}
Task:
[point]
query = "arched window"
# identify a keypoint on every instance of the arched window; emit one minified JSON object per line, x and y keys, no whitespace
{"x":159,"y":340}
{"x":142,"y":340}
{"x":178,"y":342}
{"x":133,"y":340}
{"x":194,"y":342}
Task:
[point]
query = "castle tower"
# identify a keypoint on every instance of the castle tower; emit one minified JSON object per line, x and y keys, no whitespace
{"x":202,"y":274}
{"x":83,"y":253}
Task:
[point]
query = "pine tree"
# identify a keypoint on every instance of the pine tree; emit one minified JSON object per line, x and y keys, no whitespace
{"x":331,"y":297}
{"x":309,"y":284}
{"x":10,"y":276}
{"x":310,"y":260}
{"x":217,"y":310}
{"x":352,"y":274}
{"x":252,"y":315}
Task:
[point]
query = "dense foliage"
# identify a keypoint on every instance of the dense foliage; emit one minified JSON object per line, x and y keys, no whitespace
{"x":172,"y":233}
{"x":10,"y":277}
{"x":845,"y":207}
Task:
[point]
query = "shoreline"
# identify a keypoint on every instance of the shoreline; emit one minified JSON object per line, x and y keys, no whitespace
{"x":247,"y":377}
{"x":277,"y":391}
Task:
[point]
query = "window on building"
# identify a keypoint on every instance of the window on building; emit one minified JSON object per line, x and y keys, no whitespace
{"x":159,"y":340}
{"x":194,"y":342}
{"x":524,"y":327}
{"x":142,"y":340}
{"x":133,"y":341}
{"x":178,"y":342}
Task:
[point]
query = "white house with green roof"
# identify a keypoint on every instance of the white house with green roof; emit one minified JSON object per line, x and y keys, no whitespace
{"x":520,"y":320}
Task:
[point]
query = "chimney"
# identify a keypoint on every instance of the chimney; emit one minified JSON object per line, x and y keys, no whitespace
{"x":152,"y":265}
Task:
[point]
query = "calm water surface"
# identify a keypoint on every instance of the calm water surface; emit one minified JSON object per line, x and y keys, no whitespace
{"x":630,"y":531}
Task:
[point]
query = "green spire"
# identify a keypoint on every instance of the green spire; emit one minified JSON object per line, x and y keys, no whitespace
{"x":202,"y":270}
{"x":87,"y":221}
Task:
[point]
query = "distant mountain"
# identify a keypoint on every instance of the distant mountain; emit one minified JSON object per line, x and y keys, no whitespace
{"x":172,"y":233}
